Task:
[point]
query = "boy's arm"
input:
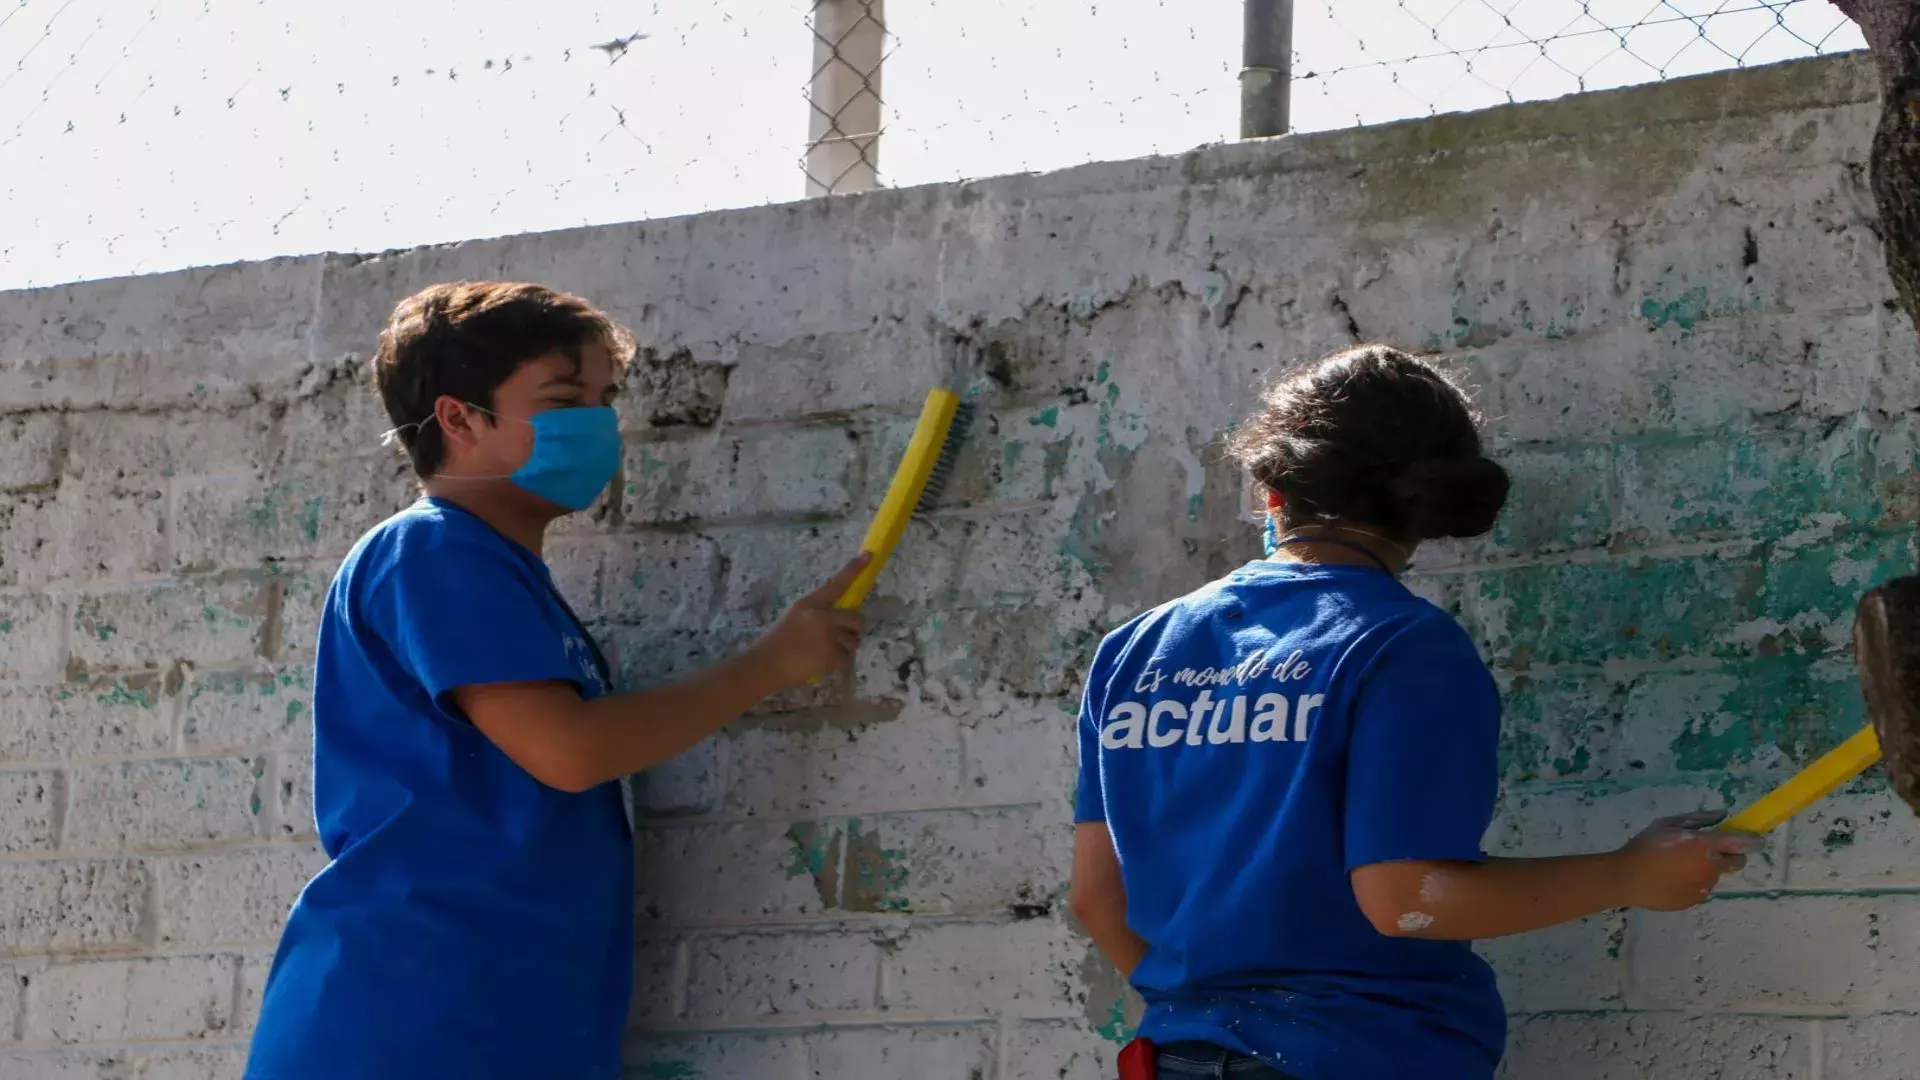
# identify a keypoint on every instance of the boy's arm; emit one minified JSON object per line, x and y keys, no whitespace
{"x":573,"y":744}
{"x":1099,"y":897}
{"x":1672,"y":865}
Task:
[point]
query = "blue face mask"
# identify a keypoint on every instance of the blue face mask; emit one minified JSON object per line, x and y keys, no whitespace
{"x":576,"y":451}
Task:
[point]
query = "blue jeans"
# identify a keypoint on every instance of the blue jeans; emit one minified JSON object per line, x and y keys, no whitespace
{"x":1193,"y":1060}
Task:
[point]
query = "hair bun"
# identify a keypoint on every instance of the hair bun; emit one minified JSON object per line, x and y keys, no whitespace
{"x":1451,"y":497}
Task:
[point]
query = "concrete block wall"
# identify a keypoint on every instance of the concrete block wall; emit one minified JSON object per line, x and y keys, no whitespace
{"x":1672,"y":298}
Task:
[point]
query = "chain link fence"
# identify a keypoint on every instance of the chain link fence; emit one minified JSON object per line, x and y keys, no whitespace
{"x":1364,"y":63}
{"x":145,"y":136}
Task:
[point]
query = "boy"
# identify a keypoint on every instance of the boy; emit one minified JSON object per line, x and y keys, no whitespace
{"x":476,"y":918}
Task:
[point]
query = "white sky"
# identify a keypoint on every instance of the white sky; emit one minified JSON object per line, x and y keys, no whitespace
{"x":145,"y":135}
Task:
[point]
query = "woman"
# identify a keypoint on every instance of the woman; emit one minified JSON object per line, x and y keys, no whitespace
{"x":1285,"y":776}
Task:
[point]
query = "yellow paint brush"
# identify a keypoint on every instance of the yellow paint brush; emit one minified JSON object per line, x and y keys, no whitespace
{"x":917,"y":484}
{"x":1809,"y":785}
{"x":923,"y":474}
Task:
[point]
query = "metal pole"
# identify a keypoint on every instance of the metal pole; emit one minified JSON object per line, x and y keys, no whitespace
{"x":1266,"y":68}
{"x":843,"y":136}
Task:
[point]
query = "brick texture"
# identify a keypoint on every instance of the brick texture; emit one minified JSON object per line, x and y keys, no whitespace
{"x":1670,"y":299}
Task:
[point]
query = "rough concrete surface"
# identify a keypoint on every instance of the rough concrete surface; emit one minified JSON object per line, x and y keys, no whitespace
{"x":1673,"y":301}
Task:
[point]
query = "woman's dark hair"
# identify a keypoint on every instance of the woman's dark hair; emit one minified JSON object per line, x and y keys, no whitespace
{"x":1373,"y":436}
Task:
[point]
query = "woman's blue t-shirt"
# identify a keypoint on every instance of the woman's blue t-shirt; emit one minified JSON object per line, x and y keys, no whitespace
{"x":1250,"y":745}
{"x":473,"y":922}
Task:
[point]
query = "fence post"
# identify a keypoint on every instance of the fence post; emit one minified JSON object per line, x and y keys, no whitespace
{"x":1266,"y":68}
{"x":843,"y":129}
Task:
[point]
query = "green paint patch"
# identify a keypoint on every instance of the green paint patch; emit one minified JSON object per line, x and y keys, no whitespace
{"x":310,"y":519}
{"x":809,"y":850}
{"x":1559,"y":726}
{"x":255,"y":804}
{"x":1100,"y":373}
{"x":294,"y":709}
{"x":1045,"y":418}
{"x":1763,"y":486}
{"x":119,"y":694}
{"x":260,"y":514}
{"x":1691,"y":308}
{"x":1195,"y":503}
{"x":1590,"y":613}
{"x":876,"y":875}
{"x":639,"y":579}
{"x":6,"y":626}
{"x":671,"y":1070}
{"x":1116,"y":1030}
{"x":1793,"y":704}
{"x":1576,"y":763}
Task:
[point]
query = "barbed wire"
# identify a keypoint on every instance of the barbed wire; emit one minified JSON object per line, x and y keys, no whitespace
{"x":146,"y":137}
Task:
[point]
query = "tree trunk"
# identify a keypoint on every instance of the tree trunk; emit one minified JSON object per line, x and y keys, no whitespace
{"x":1887,"y":621}
{"x":1892,"y":29}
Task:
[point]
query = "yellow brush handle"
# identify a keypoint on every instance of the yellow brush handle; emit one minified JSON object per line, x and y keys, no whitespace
{"x":909,"y":481}
{"x":1841,"y":764}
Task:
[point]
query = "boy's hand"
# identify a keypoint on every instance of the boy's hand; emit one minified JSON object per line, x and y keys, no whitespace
{"x":1674,"y":864}
{"x":814,"y":637}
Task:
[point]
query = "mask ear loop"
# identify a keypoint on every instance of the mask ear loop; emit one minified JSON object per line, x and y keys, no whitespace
{"x":1270,"y":536}
{"x":392,"y":435}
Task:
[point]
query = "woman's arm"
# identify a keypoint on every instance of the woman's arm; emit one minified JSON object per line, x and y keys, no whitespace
{"x":1670,"y":866}
{"x":1099,"y":897}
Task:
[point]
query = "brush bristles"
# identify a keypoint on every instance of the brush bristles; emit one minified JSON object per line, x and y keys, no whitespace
{"x":943,"y":465}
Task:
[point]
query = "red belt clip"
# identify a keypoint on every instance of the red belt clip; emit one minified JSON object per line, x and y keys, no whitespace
{"x":1137,"y":1061}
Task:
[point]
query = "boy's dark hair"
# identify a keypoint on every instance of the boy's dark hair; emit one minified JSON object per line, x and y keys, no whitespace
{"x":1373,"y":436}
{"x":463,"y":339}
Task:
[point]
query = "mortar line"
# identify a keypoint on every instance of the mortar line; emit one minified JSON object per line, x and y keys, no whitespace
{"x":131,"y":1046}
{"x":669,"y":823}
{"x":225,"y":752}
{"x":255,"y":950}
{"x":1003,"y":1047}
{"x":228,"y":845}
{"x":846,"y":865}
{"x":682,"y":976}
{"x":170,"y":521}
{"x":1629,"y":980}
{"x":809,"y":1023}
{"x":238,"y":1004}
{"x":267,"y":790}
{"x":62,"y":799}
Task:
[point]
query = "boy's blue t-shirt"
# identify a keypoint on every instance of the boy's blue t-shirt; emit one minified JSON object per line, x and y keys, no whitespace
{"x":1248,"y":746}
{"x":473,"y":922}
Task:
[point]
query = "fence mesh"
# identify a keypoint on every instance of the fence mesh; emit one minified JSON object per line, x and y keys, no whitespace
{"x":1362,"y":63}
{"x":137,"y":137}
{"x":850,"y":45}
